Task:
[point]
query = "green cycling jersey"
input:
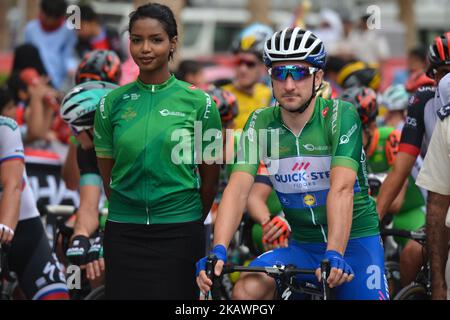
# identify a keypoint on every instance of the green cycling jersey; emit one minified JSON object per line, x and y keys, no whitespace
{"x":149,"y":132}
{"x":299,"y":166}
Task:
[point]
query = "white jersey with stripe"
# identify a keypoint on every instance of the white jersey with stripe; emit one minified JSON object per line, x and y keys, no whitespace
{"x":11,"y":148}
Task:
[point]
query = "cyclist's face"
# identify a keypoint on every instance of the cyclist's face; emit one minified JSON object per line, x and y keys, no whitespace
{"x":150,"y":45}
{"x":249,"y":69}
{"x":290,"y":93}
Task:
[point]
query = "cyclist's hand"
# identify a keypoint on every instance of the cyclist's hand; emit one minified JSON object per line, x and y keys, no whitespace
{"x":203,"y":282}
{"x":6,"y":233}
{"x":340,"y":270}
{"x":282,"y":243}
{"x":276,"y":232}
{"x":78,"y":250}
{"x":95,"y":262}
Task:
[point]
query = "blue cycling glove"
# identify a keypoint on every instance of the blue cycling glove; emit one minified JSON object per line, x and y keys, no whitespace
{"x":219,"y":251}
{"x":338,"y":262}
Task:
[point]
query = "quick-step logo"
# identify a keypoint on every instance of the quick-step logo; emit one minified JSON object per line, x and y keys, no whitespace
{"x":300,"y":174}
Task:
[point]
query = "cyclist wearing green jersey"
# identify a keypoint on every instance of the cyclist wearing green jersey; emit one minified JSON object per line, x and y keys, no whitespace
{"x":318,"y":170}
{"x":144,"y":142}
{"x":264,"y":207}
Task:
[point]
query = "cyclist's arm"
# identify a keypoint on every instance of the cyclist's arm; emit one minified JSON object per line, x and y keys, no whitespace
{"x":87,"y":213}
{"x":340,"y":207}
{"x":257,"y":202}
{"x":11,"y":173}
{"x":105,"y":166}
{"x":36,"y":113}
{"x":345,"y":163}
{"x":398,"y":201}
{"x":70,"y":171}
{"x":434,"y":176}
{"x":209,"y":174}
{"x":232,"y":206}
{"x":103,"y":142}
{"x":394,"y":182}
{"x":437,"y":239}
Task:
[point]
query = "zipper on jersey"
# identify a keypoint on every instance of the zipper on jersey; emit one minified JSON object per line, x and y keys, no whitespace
{"x":145,"y":161}
{"x":296,"y":138}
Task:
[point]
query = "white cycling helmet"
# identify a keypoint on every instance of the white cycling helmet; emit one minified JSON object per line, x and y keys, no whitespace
{"x":395,"y":98}
{"x":79,"y":105}
{"x":295,"y":44}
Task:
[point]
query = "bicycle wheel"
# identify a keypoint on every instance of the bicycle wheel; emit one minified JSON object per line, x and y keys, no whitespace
{"x":392,"y":270}
{"x":414,"y":291}
{"x":96,"y":294}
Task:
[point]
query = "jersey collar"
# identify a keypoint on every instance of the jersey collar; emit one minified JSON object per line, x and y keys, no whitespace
{"x":310,"y":120}
{"x":156,"y":87}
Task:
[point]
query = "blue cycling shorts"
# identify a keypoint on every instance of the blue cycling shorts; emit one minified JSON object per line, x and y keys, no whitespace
{"x":365,"y":255}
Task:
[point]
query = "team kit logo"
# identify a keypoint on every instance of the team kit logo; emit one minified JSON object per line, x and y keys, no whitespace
{"x":301,"y":182}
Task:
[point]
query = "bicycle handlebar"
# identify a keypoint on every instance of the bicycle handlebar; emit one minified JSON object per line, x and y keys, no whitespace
{"x":274,"y":272}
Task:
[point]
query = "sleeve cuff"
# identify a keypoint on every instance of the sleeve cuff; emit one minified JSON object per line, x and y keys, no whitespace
{"x":245,"y":168}
{"x":340,"y":161}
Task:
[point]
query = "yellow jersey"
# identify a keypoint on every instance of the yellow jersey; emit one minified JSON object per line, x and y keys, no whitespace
{"x":248,"y":103}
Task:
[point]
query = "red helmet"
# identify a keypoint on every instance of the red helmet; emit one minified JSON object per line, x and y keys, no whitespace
{"x":365,"y":101}
{"x":99,"y":65}
{"x":439,"y":53}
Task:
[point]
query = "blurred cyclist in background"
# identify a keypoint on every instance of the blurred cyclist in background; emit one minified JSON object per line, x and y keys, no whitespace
{"x":250,"y":93}
{"x":39,"y":272}
{"x":395,"y":98}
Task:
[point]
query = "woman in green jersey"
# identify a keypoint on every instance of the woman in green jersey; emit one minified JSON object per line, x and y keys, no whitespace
{"x":152,"y":166}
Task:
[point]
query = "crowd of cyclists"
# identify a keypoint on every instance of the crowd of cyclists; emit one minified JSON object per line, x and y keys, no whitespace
{"x":310,"y":161}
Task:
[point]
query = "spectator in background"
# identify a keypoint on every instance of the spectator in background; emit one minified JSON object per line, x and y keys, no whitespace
{"x":92,"y":35}
{"x":33,"y":114}
{"x":342,"y":49}
{"x":27,"y":56}
{"x":330,"y":31}
{"x":191,"y":71}
{"x":368,"y":45}
{"x":416,"y":64}
{"x":54,"y":40}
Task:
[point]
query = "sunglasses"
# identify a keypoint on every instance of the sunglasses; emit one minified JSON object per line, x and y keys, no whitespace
{"x":248,"y":63}
{"x":297,"y":72}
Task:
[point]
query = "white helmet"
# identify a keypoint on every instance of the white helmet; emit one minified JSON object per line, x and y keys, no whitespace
{"x":395,"y":98}
{"x":79,"y":105}
{"x":295,"y":44}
